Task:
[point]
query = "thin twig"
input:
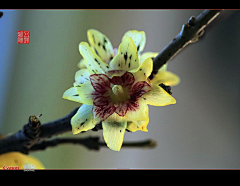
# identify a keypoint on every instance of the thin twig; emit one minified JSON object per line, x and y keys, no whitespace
{"x":140,"y":144}
{"x":92,"y":143}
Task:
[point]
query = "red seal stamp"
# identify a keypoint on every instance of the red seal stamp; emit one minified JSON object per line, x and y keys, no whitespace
{"x":23,"y":37}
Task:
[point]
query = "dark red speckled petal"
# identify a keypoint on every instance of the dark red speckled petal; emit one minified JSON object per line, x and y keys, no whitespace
{"x":139,"y":88}
{"x":100,"y":82}
{"x":103,"y":112}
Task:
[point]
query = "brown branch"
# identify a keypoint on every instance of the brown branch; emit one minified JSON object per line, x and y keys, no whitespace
{"x":92,"y":143}
{"x":33,"y":137}
{"x":189,"y":33}
{"x":34,"y":132}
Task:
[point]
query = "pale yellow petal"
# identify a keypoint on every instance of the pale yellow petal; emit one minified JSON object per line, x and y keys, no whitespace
{"x":72,"y":95}
{"x":166,"y":77}
{"x":158,"y":97}
{"x":113,"y":134}
{"x":81,"y":76}
{"x":94,"y":63}
{"x":100,"y":44}
{"x":139,"y":114}
{"x":143,"y":71}
{"x":82,"y":120}
{"x":146,"y":55}
{"x":85,"y":92}
{"x":82,"y":64}
{"x":133,"y":126}
{"x":127,"y":57}
{"x":138,"y":37}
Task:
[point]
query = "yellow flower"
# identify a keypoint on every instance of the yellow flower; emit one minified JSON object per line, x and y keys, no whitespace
{"x":104,"y":49}
{"x":17,"y":160}
{"x":115,"y":91}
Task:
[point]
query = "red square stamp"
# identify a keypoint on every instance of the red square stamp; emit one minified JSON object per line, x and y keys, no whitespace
{"x":23,"y":37}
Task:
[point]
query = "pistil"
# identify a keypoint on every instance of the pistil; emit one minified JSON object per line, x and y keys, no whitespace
{"x":118,"y":90}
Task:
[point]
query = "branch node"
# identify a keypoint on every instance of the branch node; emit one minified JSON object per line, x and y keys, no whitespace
{"x":190,"y":32}
{"x":34,"y":122}
{"x":185,"y":29}
{"x":32,"y":131}
{"x":191,"y":21}
{"x":152,"y":143}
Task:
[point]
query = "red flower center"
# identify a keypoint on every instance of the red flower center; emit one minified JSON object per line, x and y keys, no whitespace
{"x":117,"y":94}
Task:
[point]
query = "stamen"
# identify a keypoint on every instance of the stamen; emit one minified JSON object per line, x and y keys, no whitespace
{"x":119,"y":94}
{"x":118,"y":90}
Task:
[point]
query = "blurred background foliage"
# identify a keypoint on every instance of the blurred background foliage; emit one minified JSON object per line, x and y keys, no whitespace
{"x":201,"y":131}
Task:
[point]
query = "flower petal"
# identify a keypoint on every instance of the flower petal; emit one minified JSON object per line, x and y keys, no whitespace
{"x":122,"y":108}
{"x":82,"y":64}
{"x":158,"y":97}
{"x":139,"y":88}
{"x":85,"y":92}
{"x":81,"y":76}
{"x":133,"y":126}
{"x":166,"y":77}
{"x":136,"y":111}
{"x":146,"y":55}
{"x":100,"y":82}
{"x":101,"y":45}
{"x":113,"y":134}
{"x":72,"y":95}
{"x":94,"y":63}
{"x":103,"y":112}
{"x":127,"y":57}
{"x":138,"y":37}
{"x":116,"y":80}
{"x":143,"y":71}
{"x":101,"y":100}
{"x":82,"y":120}
{"x":113,"y":73}
{"x":126,"y":79}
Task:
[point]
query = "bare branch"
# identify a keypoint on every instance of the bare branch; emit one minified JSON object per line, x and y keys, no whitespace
{"x":33,"y":137}
{"x":92,"y":143}
{"x":189,"y":33}
{"x":34,"y":132}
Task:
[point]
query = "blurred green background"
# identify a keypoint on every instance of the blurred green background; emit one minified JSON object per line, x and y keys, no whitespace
{"x":201,"y":131}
